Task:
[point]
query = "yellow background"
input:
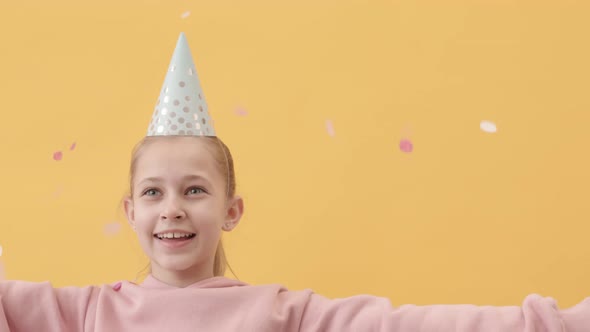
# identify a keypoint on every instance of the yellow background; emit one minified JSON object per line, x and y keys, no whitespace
{"x":467,"y":217}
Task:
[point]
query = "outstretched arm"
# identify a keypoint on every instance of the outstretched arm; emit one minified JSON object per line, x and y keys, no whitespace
{"x":369,"y":313}
{"x":29,"y":306}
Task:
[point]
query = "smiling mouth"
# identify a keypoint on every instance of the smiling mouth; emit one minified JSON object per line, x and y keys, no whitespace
{"x":180,"y":238}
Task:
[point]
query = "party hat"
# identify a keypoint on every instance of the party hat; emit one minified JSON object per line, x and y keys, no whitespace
{"x":181,"y":109}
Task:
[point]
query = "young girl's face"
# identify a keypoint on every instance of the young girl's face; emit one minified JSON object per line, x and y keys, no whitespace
{"x":177,"y":189}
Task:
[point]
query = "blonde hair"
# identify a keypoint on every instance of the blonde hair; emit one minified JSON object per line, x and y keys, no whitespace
{"x":223,"y":162}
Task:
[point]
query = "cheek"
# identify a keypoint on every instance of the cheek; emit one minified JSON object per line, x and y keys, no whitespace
{"x":207,"y":212}
{"x":145,"y":210}
{"x":207,"y":223}
{"x":145,"y":219}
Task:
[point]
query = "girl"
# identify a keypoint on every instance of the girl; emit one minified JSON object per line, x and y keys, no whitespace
{"x":182,"y":196}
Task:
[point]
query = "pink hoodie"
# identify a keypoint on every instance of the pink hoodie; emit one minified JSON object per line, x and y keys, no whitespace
{"x":222,"y":304}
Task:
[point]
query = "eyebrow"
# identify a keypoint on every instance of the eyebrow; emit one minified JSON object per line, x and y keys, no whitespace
{"x":185,"y":178}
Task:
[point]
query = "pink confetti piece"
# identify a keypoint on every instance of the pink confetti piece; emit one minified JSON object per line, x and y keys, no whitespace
{"x":58,"y":192}
{"x":73,"y":146}
{"x":117,"y":286}
{"x":241,"y":112}
{"x":57,"y":155}
{"x":406,"y":145}
{"x":330,"y":128}
{"x":112,"y":228}
{"x":185,"y":14}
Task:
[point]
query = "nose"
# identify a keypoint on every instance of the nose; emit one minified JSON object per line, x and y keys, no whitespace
{"x":172,"y":210}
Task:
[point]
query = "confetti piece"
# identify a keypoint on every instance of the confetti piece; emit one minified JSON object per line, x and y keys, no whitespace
{"x":330,"y":128}
{"x":73,"y":146}
{"x":112,"y":228}
{"x":241,"y":112}
{"x":488,"y":126}
{"x":57,"y":155}
{"x":406,"y":145}
{"x":185,"y":14}
{"x":0,"y":250}
{"x":58,"y":191}
{"x":117,"y":286}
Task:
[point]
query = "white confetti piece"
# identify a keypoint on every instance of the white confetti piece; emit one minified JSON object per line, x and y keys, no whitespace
{"x":0,"y":251}
{"x":185,"y":15}
{"x":488,"y":126}
{"x":330,"y":128}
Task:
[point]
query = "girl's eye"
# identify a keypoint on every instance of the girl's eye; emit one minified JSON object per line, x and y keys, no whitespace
{"x":195,"y":190}
{"x":192,"y":190}
{"x":150,"y":192}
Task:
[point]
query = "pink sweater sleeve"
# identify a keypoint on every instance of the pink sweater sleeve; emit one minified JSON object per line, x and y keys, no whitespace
{"x":369,"y":313}
{"x":29,"y":306}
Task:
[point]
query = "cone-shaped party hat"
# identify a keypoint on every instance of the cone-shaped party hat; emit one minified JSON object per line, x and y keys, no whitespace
{"x":181,"y":109}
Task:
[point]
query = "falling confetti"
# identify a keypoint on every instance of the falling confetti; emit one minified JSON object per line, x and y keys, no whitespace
{"x":330,"y":128}
{"x":58,"y":192}
{"x":112,"y":228}
{"x":406,"y":145}
{"x":0,"y":250}
{"x":241,"y":112}
{"x":185,"y":14}
{"x":488,"y":126}
{"x":73,"y":146}
{"x":117,"y":286}
{"x":57,"y":155}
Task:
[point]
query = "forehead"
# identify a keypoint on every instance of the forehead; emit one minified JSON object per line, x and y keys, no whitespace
{"x":175,"y":157}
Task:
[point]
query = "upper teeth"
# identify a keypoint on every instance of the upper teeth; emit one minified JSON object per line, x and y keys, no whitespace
{"x":173,"y":235}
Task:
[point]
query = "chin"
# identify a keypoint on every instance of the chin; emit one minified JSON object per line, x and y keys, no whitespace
{"x":178,"y":263}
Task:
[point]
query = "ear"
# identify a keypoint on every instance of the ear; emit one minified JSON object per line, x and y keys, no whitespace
{"x":129,"y":211}
{"x":235,"y":210}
